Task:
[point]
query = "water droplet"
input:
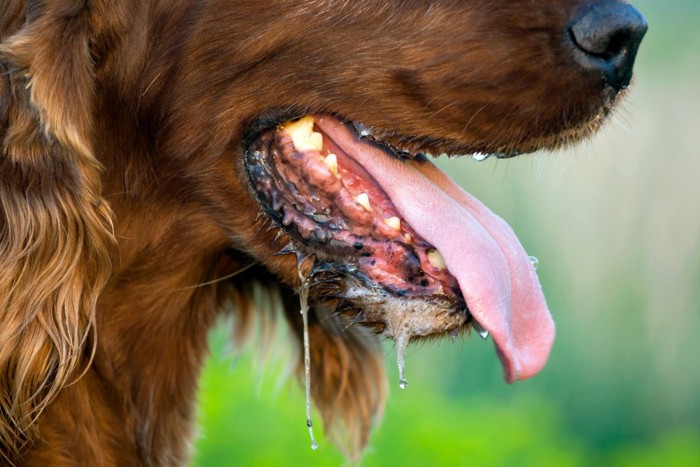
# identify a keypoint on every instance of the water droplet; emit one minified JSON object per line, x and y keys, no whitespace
{"x":483,"y":333}
{"x":480,"y":156}
{"x":290,"y":248}
{"x":314,"y":444}
{"x":403,"y":384}
{"x":535,"y":262}
{"x":362,"y":130}
{"x":321,"y":218}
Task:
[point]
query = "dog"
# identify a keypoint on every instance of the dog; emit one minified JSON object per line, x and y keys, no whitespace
{"x":167,"y":162}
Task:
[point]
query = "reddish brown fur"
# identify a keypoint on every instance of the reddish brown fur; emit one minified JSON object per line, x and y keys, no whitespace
{"x":123,"y":187}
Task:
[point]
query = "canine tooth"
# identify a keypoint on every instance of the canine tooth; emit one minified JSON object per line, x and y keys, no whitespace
{"x":303,"y":135}
{"x":363,"y":200}
{"x":393,"y":222}
{"x":331,"y":161}
{"x":436,"y":259}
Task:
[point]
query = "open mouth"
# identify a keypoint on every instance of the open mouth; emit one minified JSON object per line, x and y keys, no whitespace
{"x":419,"y":255}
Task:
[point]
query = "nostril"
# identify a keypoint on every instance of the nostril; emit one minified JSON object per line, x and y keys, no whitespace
{"x":607,"y":29}
{"x":606,"y":46}
{"x":618,"y":41}
{"x":609,"y":33}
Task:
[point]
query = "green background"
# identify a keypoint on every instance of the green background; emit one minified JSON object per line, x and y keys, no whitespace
{"x":615,"y":224}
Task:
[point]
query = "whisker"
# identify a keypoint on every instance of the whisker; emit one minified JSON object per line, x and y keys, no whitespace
{"x":214,"y":281}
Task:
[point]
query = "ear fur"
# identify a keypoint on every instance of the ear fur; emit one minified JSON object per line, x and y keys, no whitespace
{"x":55,"y":229}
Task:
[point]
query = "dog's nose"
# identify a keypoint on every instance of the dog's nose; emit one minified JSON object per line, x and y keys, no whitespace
{"x":606,"y":36}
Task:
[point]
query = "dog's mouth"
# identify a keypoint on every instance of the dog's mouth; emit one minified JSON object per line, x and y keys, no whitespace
{"x":418,"y":255}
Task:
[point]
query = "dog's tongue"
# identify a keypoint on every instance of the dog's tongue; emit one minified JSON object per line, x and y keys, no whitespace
{"x":494,"y":273}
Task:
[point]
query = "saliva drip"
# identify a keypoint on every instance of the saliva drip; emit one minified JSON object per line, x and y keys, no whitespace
{"x":535,"y":262}
{"x":401,"y":344}
{"x":304,"y":302}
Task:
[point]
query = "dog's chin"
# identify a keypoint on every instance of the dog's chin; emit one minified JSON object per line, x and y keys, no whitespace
{"x":394,"y":243}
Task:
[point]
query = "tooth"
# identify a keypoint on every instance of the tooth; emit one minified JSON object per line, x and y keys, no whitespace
{"x":303,"y":134}
{"x":407,"y":237}
{"x":316,"y":140}
{"x":331,"y":161}
{"x":363,"y":200}
{"x":436,"y":259}
{"x":393,"y":222}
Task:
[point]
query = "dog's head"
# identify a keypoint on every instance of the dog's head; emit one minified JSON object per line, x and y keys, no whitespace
{"x":302,"y":132}
{"x":381,"y":86}
{"x":356,"y":98}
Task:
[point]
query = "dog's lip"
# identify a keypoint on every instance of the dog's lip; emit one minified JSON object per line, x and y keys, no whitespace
{"x":393,"y":143}
{"x":396,"y":144}
{"x":480,"y":249}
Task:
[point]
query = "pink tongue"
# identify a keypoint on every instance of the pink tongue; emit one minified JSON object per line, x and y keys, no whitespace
{"x":494,"y":273}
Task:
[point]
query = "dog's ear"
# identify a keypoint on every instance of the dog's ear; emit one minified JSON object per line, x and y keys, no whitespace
{"x":55,"y":229}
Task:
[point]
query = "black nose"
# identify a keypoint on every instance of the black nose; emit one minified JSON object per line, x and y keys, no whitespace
{"x":607,"y":35}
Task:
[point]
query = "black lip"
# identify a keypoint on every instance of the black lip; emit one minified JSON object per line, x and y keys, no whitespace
{"x":388,"y":141}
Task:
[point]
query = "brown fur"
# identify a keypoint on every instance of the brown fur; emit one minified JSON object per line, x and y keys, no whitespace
{"x":122,"y":189}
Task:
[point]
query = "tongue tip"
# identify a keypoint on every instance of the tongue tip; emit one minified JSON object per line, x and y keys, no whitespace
{"x":514,"y":371}
{"x":527,"y":361}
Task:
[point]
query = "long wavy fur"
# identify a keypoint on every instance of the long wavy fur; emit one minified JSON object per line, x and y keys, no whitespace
{"x":55,"y":229}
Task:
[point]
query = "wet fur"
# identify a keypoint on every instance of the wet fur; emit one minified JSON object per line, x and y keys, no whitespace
{"x":122,"y":126}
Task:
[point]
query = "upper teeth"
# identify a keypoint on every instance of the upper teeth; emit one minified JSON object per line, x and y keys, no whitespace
{"x":303,"y":134}
{"x":436,"y":259}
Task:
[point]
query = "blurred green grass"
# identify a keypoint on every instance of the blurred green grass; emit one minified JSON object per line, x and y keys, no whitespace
{"x":616,"y":226}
